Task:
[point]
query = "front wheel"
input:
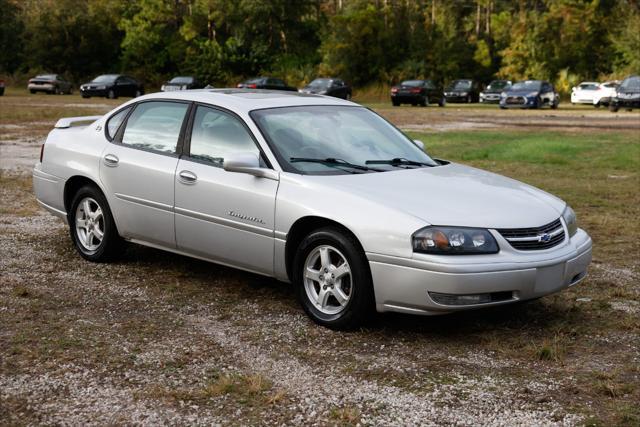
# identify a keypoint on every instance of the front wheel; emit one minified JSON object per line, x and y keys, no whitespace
{"x":333,"y":279}
{"x":348,"y":97}
{"x":111,"y":94}
{"x":443,"y":102}
{"x":613,"y":107}
{"x":91,"y":225}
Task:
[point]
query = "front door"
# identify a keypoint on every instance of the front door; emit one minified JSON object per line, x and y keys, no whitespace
{"x":224,"y":216}
{"x":138,"y":170}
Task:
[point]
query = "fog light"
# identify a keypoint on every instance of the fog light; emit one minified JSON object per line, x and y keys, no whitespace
{"x":470,"y":299}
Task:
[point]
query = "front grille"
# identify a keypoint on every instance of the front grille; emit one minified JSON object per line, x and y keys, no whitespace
{"x":516,"y":100}
{"x":536,"y":238}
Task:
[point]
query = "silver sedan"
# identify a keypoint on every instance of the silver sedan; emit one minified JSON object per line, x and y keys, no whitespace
{"x":311,"y":190}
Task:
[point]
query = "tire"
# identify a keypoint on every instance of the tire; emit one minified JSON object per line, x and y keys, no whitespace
{"x":554,"y":105}
{"x":32,"y":91}
{"x":348,"y":97}
{"x":137,"y":94}
{"x":424,"y":102}
{"x":323,"y":252}
{"x":598,"y":105}
{"x":395,"y":104}
{"x":83,"y":227}
{"x":469,"y":100}
{"x":613,"y":107}
{"x":111,"y":94}
{"x":86,"y":96}
{"x":56,"y":90}
{"x":442,"y":102}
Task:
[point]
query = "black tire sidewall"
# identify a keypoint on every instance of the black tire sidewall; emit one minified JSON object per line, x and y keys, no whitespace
{"x":111,"y":241}
{"x":361,"y":302}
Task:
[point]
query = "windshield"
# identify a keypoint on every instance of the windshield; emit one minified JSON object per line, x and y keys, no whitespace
{"x":320,"y":83}
{"x":498,"y":85}
{"x":461,"y":85}
{"x":412,"y":83}
{"x":588,"y":86}
{"x":528,"y":85}
{"x":106,"y":78}
{"x":350,"y":134}
{"x":631,"y":84}
{"x":46,"y":76}
{"x":182,"y":80}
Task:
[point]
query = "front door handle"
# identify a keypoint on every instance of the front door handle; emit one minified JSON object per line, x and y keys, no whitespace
{"x":111,"y":160}
{"x":187,"y":177}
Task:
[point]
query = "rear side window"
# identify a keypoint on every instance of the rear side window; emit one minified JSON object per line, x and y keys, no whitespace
{"x":113,"y":124}
{"x":217,"y":134}
{"x":155,"y":126}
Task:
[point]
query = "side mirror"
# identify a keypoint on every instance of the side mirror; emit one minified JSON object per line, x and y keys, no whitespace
{"x":248,"y":163}
{"x":419,"y":144}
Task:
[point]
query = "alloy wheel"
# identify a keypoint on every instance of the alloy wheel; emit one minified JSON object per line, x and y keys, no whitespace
{"x":90,"y":225}
{"x":328,"y":279}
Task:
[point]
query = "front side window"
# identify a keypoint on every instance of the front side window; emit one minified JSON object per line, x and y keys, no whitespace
{"x":155,"y":126}
{"x":114,"y":122}
{"x":303,"y":137}
{"x":217,"y":134}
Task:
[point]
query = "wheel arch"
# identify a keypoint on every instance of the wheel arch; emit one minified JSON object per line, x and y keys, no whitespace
{"x":305,"y":225}
{"x":73,"y":184}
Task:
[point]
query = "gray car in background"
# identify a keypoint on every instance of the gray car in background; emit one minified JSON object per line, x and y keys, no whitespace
{"x":312,"y":190}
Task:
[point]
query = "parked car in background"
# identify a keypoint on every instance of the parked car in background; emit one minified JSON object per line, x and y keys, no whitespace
{"x":50,"y":83}
{"x":182,"y":83}
{"x":112,"y":86}
{"x":605,"y":92}
{"x":266,"y":83}
{"x":584,"y":93}
{"x":1,"y":87}
{"x":530,"y":94}
{"x":330,"y":87}
{"x":315,"y":191}
{"x":417,"y":92}
{"x":627,"y":95}
{"x":463,"y":91}
{"x":491,"y":94}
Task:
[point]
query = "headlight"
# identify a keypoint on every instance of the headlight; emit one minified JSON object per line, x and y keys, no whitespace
{"x":454,"y":241}
{"x":569,"y":217}
{"x":503,"y":94}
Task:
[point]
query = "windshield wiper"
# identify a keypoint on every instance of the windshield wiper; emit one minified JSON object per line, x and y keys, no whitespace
{"x":398,"y":161}
{"x":330,"y":161}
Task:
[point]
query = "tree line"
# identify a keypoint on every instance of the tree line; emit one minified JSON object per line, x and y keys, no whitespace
{"x":362,"y":41}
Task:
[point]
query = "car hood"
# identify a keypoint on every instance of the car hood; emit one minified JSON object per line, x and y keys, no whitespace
{"x":520,"y":92}
{"x":455,"y":195}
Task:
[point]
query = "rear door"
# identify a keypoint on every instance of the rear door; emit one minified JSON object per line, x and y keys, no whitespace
{"x":138,"y":170}
{"x":220,"y":215}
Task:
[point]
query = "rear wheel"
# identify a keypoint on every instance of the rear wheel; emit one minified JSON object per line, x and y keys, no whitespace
{"x":91,"y":225}
{"x":333,"y":279}
{"x":395,"y":103}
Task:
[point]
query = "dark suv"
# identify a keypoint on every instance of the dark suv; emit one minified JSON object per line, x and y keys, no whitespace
{"x":627,"y":95}
{"x":417,"y":92}
{"x":463,"y":91}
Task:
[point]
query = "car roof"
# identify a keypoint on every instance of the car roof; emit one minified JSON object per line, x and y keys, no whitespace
{"x":246,"y":100}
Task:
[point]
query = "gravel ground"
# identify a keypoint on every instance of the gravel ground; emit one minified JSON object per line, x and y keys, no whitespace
{"x":162,"y":339}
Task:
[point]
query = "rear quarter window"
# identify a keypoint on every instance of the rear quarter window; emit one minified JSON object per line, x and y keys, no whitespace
{"x":114,"y":122}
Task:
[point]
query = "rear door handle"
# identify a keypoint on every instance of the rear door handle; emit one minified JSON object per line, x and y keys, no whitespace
{"x":111,"y":160}
{"x":187,"y":177}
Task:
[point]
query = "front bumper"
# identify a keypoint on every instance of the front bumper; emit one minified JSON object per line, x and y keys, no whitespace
{"x":627,"y":102}
{"x":407,"y":285}
{"x":93,"y":92}
{"x":490,"y":98}
{"x":518,"y":102}
{"x":47,"y":87}
{"x":455,"y":97}
{"x":406,"y":98}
